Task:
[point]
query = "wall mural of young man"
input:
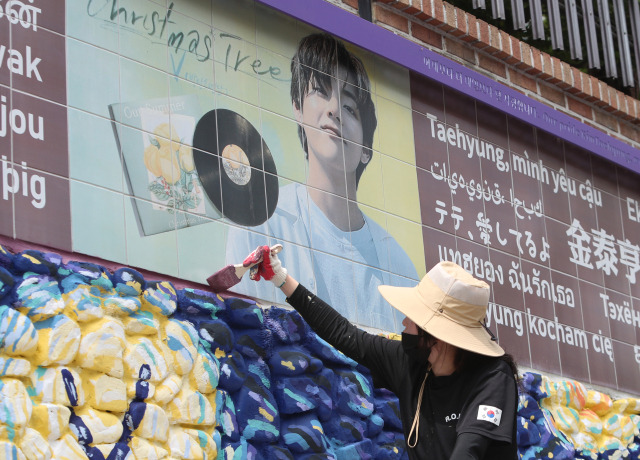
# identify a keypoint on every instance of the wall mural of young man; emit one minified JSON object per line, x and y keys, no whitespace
{"x":337,"y":246}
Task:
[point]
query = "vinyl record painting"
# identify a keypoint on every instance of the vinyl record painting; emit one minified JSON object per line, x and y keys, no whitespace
{"x":235,"y":167}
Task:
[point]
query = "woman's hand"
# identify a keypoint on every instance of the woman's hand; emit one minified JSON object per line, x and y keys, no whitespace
{"x":265,"y":264}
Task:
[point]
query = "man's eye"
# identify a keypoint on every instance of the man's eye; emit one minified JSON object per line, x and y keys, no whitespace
{"x":353,"y":111}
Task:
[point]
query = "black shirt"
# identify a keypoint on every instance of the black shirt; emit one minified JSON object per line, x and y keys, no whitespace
{"x":480,"y":400}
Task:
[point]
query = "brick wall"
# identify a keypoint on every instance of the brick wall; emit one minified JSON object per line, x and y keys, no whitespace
{"x":460,"y":36}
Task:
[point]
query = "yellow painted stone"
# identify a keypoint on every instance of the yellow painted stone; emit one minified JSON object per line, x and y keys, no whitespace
{"x":105,"y":427}
{"x":58,"y":341}
{"x":83,"y":304}
{"x":142,"y":448}
{"x":103,"y":392}
{"x":9,"y":450}
{"x":619,"y":426}
{"x":131,"y":389}
{"x":598,"y":402}
{"x":102,"y":347}
{"x":51,"y":420}
{"x":205,"y":441}
{"x":137,"y":325}
{"x":590,"y":422}
{"x":34,"y":446}
{"x":8,"y":433}
{"x":566,"y":419}
{"x":179,"y":337}
{"x":184,"y":446}
{"x":205,"y":373}
{"x":154,"y":425}
{"x":105,"y":449}
{"x":634,"y":406}
{"x":50,"y":386}
{"x":67,"y":448}
{"x":14,"y":367}
{"x":15,"y":404}
{"x":628,"y":406}
{"x":19,"y":337}
{"x":143,"y":350}
{"x":167,"y":390}
{"x":120,"y":306}
{"x":191,"y":407}
{"x":607,"y":442}
{"x":584,"y":441}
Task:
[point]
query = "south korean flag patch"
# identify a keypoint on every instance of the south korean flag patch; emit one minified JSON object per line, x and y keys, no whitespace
{"x":490,"y":414}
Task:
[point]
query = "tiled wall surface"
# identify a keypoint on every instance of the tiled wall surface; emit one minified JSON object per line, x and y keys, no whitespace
{"x":109,"y":109}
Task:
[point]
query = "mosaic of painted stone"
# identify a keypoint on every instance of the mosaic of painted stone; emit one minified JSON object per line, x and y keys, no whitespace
{"x":107,"y":365}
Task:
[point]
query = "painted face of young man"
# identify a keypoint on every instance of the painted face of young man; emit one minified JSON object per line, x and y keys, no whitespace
{"x":332,"y":125}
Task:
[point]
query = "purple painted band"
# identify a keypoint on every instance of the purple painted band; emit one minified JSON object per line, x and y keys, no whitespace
{"x":382,"y":42}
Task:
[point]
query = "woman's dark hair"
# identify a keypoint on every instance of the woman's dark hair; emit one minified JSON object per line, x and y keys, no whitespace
{"x":466,"y":359}
{"x":318,"y":58}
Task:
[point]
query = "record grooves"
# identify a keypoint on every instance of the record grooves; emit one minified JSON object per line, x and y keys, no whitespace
{"x":235,"y":167}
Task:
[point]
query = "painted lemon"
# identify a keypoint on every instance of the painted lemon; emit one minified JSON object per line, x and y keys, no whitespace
{"x":186,"y":158}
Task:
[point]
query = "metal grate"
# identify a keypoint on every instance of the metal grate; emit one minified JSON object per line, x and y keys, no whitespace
{"x":606,"y":31}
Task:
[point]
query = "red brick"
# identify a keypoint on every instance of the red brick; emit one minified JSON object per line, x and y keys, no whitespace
{"x":492,"y":65}
{"x":580,"y":108}
{"x":387,"y":1}
{"x":424,"y":13}
{"x":565,"y":80}
{"x":631,"y":107}
{"x":515,"y":51}
{"x":536,"y":62}
{"x":525,"y":55}
{"x":438,"y":12}
{"x":427,"y":11}
{"x":594,"y":89}
{"x":611,"y":99}
{"x":547,"y":67}
{"x":630,"y":131}
{"x":391,"y":18}
{"x":607,"y":120}
{"x":576,"y":88}
{"x":557,"y":70}
{"x":483,"y":34}
{"x":587,"y":92}
{"x":523,"y":81}
{"x":494,"y":39}
{"x":472,"y":24}
{"x":408,"y":6}
{"x":352,"y":3}
{"x":552,"y":94}
{"x":620,"y":102}
{"x":461,"y":23}
{"x":461,"y":50}
{"x":426,"y":35}
{"x":505,"y":45}
{"x":625,"y":108}
{"x":449,"y":17}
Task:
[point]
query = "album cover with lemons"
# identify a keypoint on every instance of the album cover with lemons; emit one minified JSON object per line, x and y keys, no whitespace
{"x":156,"y":148}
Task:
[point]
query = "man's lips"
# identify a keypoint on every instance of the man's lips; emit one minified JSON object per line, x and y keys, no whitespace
{"x":332,"y":130}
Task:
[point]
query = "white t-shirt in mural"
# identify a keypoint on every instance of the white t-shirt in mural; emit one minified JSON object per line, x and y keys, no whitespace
{"x":342,"y":268}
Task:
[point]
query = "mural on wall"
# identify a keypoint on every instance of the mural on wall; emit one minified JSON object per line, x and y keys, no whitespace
{"x":237,"y":137}
{"x":178,"y":138}
{"x":106,"y":364}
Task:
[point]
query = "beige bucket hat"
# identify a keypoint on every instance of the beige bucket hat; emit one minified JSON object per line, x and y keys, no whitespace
{"x":449,"y":304}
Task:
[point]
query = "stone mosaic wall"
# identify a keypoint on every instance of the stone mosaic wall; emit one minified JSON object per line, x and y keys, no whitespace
{"x":107,"y":365}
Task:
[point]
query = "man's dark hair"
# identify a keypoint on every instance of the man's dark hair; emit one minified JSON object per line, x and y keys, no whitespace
{"x":318,"y":58}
